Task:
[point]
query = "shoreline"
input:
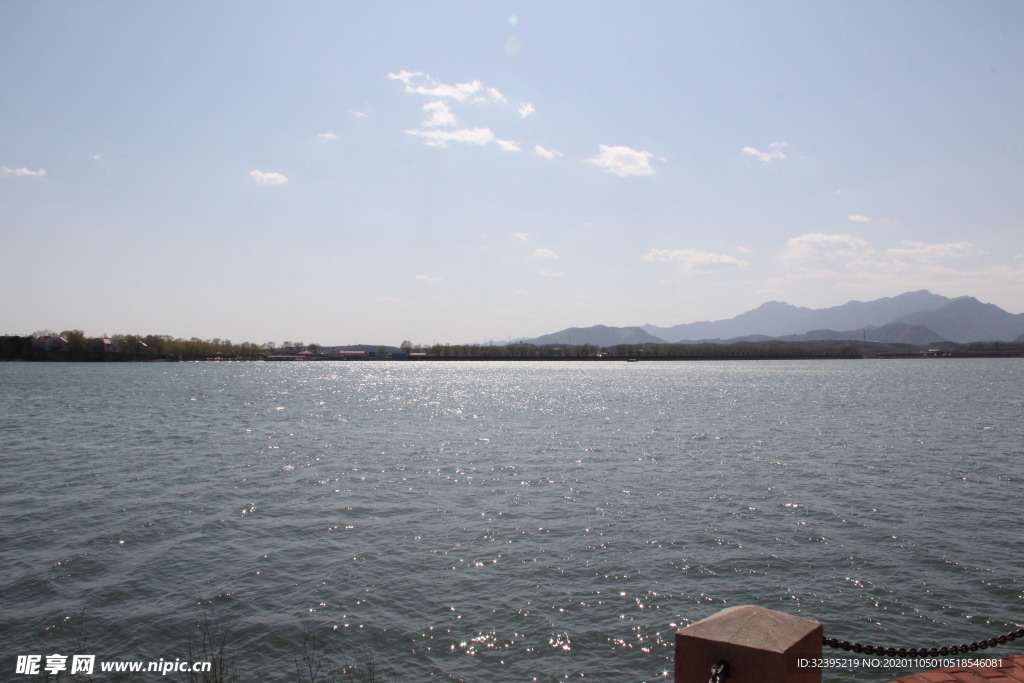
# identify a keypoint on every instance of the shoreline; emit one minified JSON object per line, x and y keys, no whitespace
{"x":543,"y":359}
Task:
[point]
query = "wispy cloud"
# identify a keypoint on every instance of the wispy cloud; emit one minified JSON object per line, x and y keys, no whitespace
{"x":622,"y":161}
{"x":438,"y":114}
{"x":929,"y":252}
{"x":267,"y":179}
{"x":453,"y":103}
{"x":696,"y":261}
{"x":540,"y":252}
{"x":817,"y":248}
{"x":522,"y":236}
{"x":453,"y":108}
{"x":328,"y":137}
{"x":425,"y":84}
{"x":858,"y":218}
{"x":24,"y":172}
{"x":508,"y":145}
{"x":851,"y":262}
{"x":441,"y":138}
{"x":545,"y":153}
{"x":773,"y":153}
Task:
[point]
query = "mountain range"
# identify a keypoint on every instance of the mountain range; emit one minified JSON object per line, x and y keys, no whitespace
{"x":911,"y":318}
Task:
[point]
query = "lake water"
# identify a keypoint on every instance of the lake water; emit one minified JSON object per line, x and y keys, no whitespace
{"x":504,"y":521}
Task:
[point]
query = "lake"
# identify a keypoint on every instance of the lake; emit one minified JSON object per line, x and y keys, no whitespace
{"x":510,"y":521}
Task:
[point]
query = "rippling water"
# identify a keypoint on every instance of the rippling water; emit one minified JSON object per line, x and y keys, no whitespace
{"x":505,"y":521}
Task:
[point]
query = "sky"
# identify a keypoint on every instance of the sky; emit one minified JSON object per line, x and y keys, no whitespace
{"x":457,"y":172}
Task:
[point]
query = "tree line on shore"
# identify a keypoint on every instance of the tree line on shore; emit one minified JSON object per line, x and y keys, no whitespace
{"x":74,"y":345}
{"x":647,"y":351}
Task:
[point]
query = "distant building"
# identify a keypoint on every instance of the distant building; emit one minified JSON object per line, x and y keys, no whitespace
{"x":341,"y":353}
{"x":133,"y":346}
{"x":50,"y":343}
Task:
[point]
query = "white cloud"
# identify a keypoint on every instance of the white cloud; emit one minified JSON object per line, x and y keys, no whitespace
{"x":696,"y":261}
{"x":928,"y":252}
{"x":546,"y":153}
{"x":509,"y":145}
{"x":441,"y":138}
{"x":522,"y":236}
{"x":328,"y":137}
{"x":545,"y":254}
{"x":404,"y":76}
{"x":774,"y":152}
{"x":267,"y":179}
{"x":550,"y":273}
{"x":449,"y":107}
{"x":622,"y":161}
{"x":440,"y":114}
{"x":359,"y":113}
{"x":816,"y":247}
{"x":494,"y":96}
{"x":458,"y":91}
{"x":429,"y":278}
{"x":850,"y":262}
{"x":857,"y":218}
{"x":5,"y":170}
{"x":424,"y":84}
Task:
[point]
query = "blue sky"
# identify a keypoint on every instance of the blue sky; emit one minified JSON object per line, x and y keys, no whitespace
{"x":341,"y":172}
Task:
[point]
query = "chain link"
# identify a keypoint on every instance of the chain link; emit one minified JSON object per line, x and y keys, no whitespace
{"x":923,"y":651}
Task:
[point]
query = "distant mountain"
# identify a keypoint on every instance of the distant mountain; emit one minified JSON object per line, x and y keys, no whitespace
{"x":599,"y":335}
{"x":911,"y":318}
{"x":893,"y":333}
{"x":965,"y":319}
{"x":776,"y":318}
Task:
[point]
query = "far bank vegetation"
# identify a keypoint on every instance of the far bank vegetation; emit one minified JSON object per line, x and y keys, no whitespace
{"x":74,"y":345}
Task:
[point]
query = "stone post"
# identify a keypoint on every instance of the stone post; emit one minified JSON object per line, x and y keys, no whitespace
{"x":758,"y":645}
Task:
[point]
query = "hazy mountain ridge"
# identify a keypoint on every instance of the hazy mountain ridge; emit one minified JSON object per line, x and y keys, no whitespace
{"x":965,"y":319}
{"x":913,"y":317}
{"x":599,"y":335}
{"x":776,"y":318}
{"x":893,"y":333}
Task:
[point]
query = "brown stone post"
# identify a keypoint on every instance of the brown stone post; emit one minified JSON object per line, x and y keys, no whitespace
{"x":759,"y":646}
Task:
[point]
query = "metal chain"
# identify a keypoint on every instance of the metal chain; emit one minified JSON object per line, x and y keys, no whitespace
{"x":924,"y":651}
{"x":719,"y":672}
